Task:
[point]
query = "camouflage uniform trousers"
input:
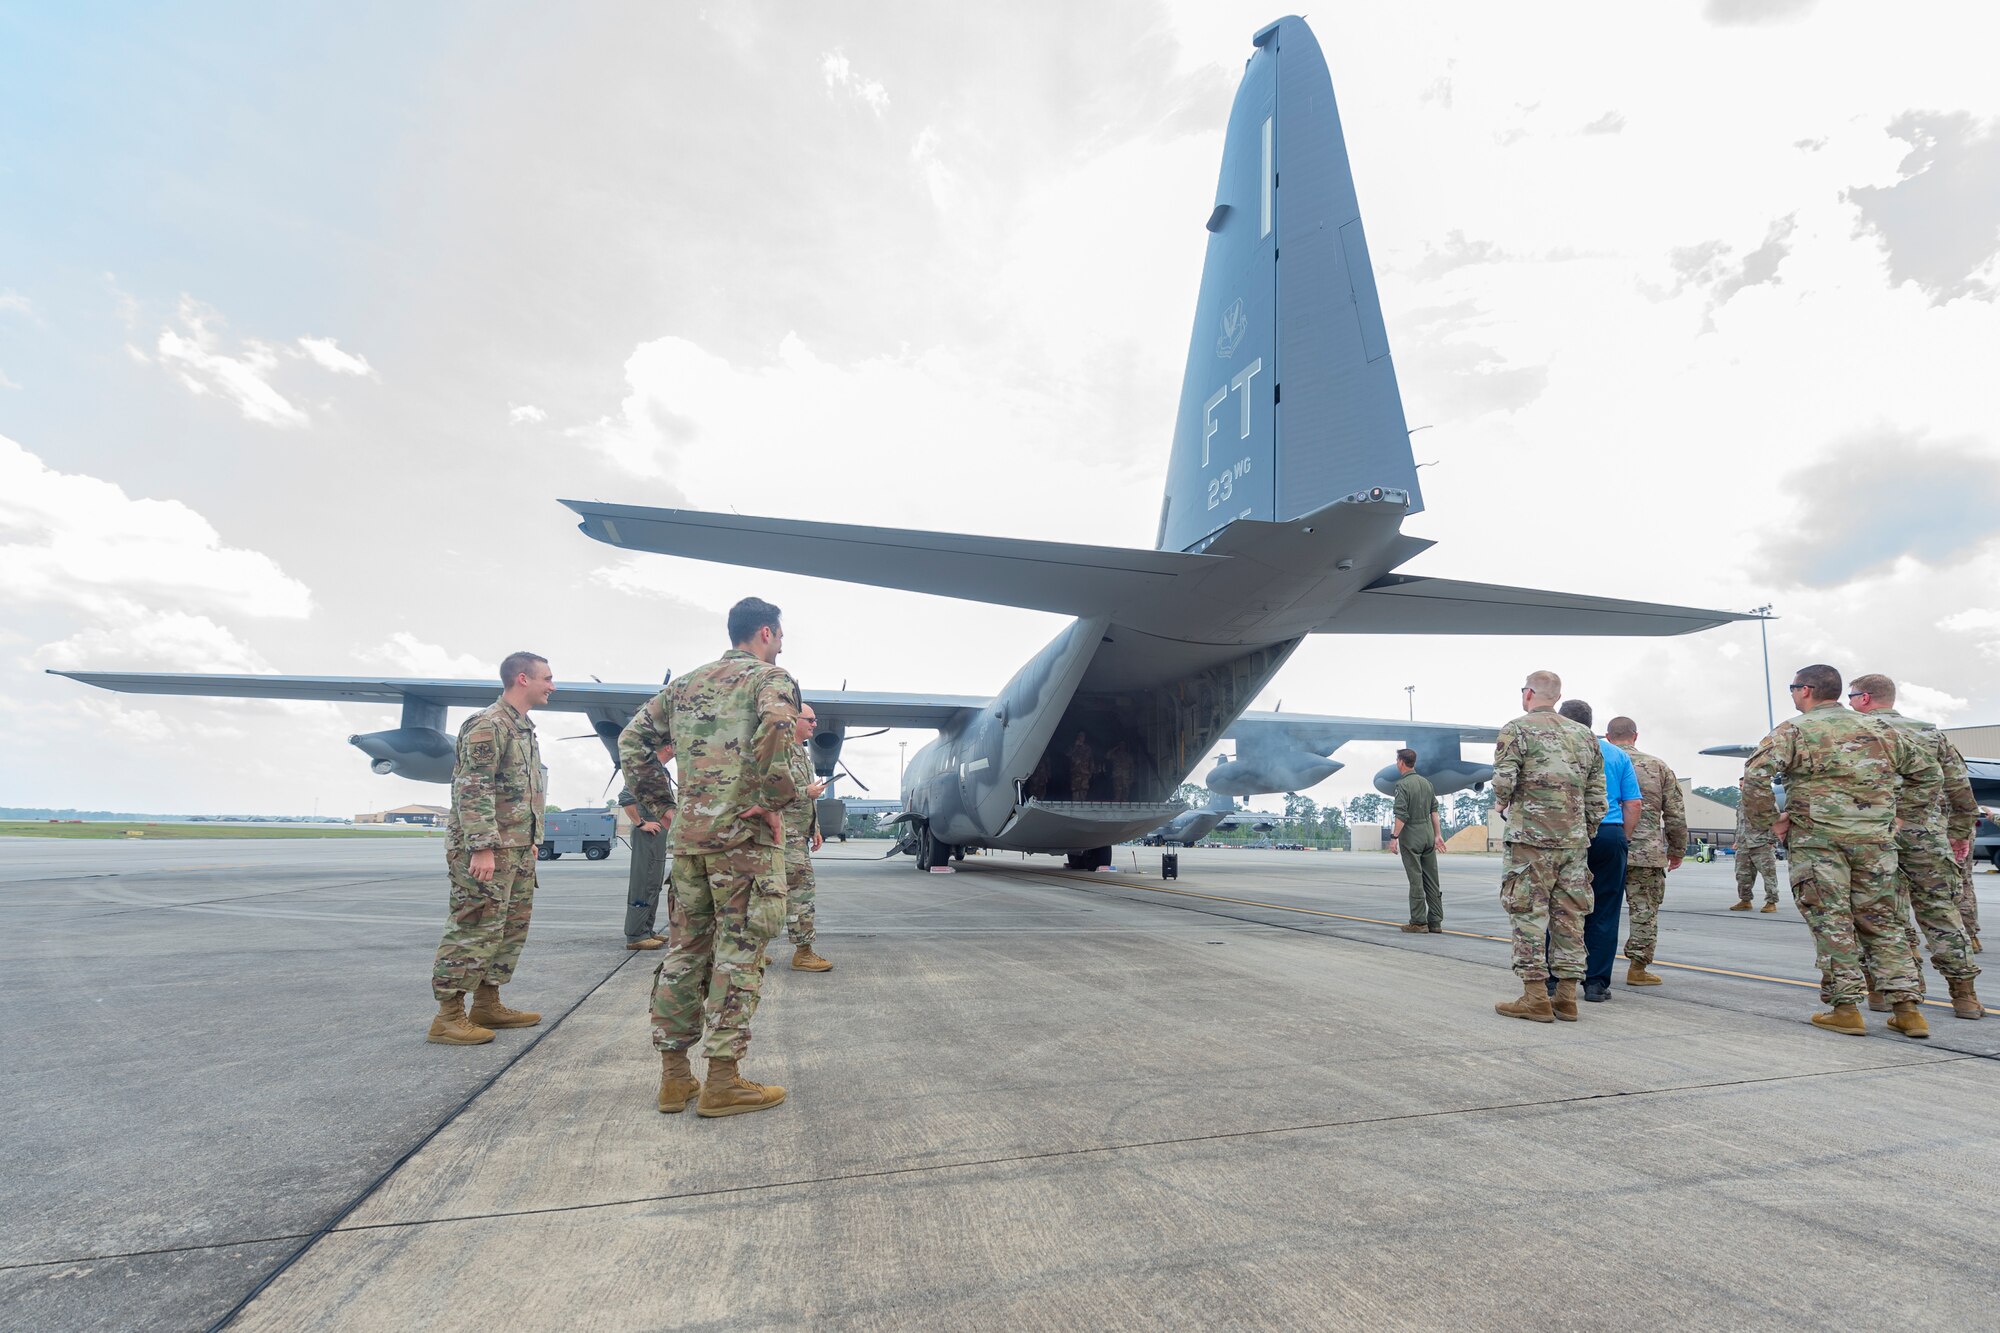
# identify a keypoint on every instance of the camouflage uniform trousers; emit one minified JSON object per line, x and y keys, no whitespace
{"x":1752,"y":862}
{"x":725,"y":907}
{"x":1546,"y":894}
{"x":1927,"y":880}
{"x":488,"y":924}
{"x":1847,"y":894}
{"x":1645,"y":890}
{"x":799,"y":890}
{"x":1968,"y":902}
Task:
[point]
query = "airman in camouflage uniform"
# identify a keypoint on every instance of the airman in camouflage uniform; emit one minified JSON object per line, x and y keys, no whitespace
{"x":802,"y":839}
{"x":1755,"y":855}
{"x":1657,"y":842}
{"x":1548,"y":780}
{"x":1926,"y":852}
{"x":1848,"y":779}
{"x":498,"y":793}
{"x":731,"y":725}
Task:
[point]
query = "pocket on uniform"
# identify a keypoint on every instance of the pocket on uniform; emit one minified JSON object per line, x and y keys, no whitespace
{"x":1515,"y":896}
{"x":767,"y":913}
{"x":1805,"y":889}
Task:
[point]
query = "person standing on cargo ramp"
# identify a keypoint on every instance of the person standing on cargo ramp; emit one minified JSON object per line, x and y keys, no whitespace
{"x":1657,"y":838}
{"x":499,"y":791}
{"x":1548,"y":781}
{"x":730,"y":724}
{"x":1848,"y":780}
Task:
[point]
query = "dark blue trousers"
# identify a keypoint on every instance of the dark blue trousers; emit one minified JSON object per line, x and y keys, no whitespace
{"x":1607,"y":891}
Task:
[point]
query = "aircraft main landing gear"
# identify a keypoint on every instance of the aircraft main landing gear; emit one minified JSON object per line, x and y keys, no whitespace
{"x":1094,"y":859}
{"x":933,"y":854}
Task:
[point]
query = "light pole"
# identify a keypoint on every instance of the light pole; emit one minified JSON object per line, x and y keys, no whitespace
{"x":1763,"y":613}
{"x":1411,"y":691}
{"x":902,"y":749}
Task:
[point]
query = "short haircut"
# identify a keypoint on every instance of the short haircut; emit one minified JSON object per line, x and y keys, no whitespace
{"x":1408,"y":757}
{"x":1621,"y":728}
{"x":515,"y":663}
{"x":1881,"y":687}
{"x":1546,"y":685}
{"x":750,"y":615}
{"x":1821,"y":681}
{"x":1576,"y":710}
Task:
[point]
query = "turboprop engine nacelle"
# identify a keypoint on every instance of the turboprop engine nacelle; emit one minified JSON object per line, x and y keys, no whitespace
{"x":423,"y":753}
{"x":1445,"y":778}
{"x":1268,"y":772}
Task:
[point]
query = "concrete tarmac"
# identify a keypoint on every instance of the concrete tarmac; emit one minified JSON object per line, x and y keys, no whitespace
{"x":1024,"y":1097}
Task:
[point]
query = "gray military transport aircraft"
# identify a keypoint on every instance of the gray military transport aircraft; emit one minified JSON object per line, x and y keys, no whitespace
{"x":1282,"y":517}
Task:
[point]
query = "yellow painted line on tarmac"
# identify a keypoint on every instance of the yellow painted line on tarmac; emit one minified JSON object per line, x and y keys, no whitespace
{"x":1378,"y":921}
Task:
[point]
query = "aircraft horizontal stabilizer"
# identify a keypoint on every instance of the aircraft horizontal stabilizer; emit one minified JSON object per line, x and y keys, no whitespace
{"x":1409,"y":604}
{"x":1042,"y":576}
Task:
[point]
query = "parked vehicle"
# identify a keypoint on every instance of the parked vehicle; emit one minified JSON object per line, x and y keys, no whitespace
{"x":589,"y":831}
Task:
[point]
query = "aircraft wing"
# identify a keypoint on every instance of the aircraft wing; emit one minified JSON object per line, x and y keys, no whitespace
{"x":1043,"y":576}
{"x":1323,"y":735}
{"x":1731,"y":751}
{"x":569,"y":697}
{"x":854,"y":708}
{"x":1411,"y":604}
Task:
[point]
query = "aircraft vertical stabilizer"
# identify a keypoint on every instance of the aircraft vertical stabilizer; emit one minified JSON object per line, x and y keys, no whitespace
{"x":1289,"y":401}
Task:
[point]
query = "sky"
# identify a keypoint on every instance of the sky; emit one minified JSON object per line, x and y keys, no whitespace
{"x":310,"y":313}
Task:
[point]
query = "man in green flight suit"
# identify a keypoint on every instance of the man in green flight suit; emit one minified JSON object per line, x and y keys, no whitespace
{"x":1415,"y":838}
{"x":731,"y":725}
{"x":498,"y":794}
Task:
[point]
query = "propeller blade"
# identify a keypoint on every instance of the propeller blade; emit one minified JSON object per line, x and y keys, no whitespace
{"x":864,"y":735}
{"x":850,"y":776}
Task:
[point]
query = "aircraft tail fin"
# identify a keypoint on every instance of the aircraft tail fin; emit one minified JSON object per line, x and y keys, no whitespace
{"x":1289,"y":400}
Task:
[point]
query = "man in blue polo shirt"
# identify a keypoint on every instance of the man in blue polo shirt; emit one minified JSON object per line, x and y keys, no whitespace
{"x":1607,"y":860}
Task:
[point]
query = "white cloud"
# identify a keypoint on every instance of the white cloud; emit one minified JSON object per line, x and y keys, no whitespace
{"x":1981,"y":624}
{"x":79,"y":541}
{"x":939,"y":179}
{"x":1924,"y":702}
{"x":12,"y":302}
{"x":6,"y":383}
{"x":198,"y":361}
{"x":144,"y":640}
{"x":404,"y":651}
{"x":196,"y":355}
{"x":517,"y":413}
{"x":326,"y":353}
{"x":840,"y":76}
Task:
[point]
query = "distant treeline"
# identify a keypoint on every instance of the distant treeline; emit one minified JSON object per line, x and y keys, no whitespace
{"x":37,"y":812}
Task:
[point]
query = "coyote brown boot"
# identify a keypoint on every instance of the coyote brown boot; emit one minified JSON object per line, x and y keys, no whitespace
{"x":805,"y":960}
{"x":487,"y":1010}
{"x":1844,"y":1018}
{"x":1909,"y":1020}
{"x":450,"y":1027}
{"x":1964,"y":1002}
{"x":1534,"y":1003}
{"x":1768,"y":907}
{"x":1637,"y":975}
{"x":1742,"y":906}
{"x":1563,"y":1003}
{"x":726,"y":1093}
{"x":677,"y":1082}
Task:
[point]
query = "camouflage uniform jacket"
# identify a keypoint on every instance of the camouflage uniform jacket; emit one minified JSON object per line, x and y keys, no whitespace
{"x":1747,"y":836}
{"x":499,"y":789}
{"x":730,"y":723}
{"x":1848,"y":777}
{"x":1548,"y":775}
{"x":1956,"y":813}
{"x":802,"y":814}
{"x":1662,"y":832}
